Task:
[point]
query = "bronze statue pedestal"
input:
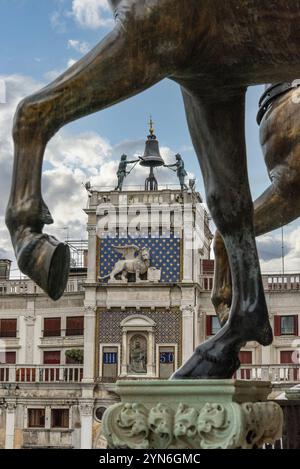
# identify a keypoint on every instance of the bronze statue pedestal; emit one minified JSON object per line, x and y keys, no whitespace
{"x":192,"y":414}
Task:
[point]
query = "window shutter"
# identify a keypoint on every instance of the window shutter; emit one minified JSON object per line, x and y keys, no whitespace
{"x":10,"y":358}
{"x":8,"y":328}
{"x":277,"y":325}
{"x":52,"y":358}
{"x":208,"y":325}
{"x":296,"y":331}
{"x":75,"y":325}
{"x":52,"y":327}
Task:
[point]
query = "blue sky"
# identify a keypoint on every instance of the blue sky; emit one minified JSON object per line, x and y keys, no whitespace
{"x":38,"y":40}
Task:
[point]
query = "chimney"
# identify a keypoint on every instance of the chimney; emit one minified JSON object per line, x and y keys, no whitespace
{"x":4,"y":269}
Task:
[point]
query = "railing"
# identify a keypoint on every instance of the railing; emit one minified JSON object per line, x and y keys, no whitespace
{"x":27,"y":286}
{"x":134,"y":188}
{"x":270,"y":282}
{"x":273,"y":373}
{"x":206,"y":282}
{"x":41,"y":373}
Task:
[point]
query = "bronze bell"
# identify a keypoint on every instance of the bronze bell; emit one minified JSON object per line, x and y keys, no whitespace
{"x":152,"y":157}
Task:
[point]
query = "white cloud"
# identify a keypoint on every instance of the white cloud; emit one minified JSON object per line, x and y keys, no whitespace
{"x":270,"y":248}
{"x":91,"y":13}
{"x":57,"y":21}
{"x":71,"y":62}
{"x":81,"y":47}
{"x":51,"y":75}
{"x":71,"y":159}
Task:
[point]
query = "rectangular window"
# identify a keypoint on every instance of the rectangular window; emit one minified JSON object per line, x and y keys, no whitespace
{"x":52,"y":327}
{"x":51,"y":358}
{"x":212,"y":325}
{"x":110,"y":363}
{"x":166,"y":361}
{"x":8,"y":328}
{"x":289,"y":325}
{"x":59,"y":418}
{"x":8,"y":358}
{"x":245,"y":359}
{"x":215,"y":325}
{"x":75,"y":325}
{"x":36,"y":418}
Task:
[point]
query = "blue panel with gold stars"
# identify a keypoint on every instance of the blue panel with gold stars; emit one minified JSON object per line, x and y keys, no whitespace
{"x":165,"y":255}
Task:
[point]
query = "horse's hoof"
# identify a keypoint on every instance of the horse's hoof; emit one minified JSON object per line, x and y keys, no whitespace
{"x":46,"y":261}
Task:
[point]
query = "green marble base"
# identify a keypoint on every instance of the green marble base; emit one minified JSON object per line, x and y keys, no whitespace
{"x":160,"y":414}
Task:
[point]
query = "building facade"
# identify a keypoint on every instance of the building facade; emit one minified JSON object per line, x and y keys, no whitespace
{"x":134,"y":308}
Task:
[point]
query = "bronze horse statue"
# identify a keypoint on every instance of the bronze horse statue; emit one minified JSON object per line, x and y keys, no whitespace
{"x":214,"y":50}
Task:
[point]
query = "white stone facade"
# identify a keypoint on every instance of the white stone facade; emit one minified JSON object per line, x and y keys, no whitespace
{"x":130,"y":330}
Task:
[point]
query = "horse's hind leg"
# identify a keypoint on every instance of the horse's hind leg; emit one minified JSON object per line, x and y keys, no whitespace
{"x":222,"y":291}
{"x":280,"y":202}
{"x":114,"y":70}
{"x":217,"y":129}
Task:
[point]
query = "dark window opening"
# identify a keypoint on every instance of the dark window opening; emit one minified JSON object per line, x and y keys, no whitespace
{"x":52,"y":327}
{"x":60,"y":418}
{"x":8,"y":328}
{"x":75,"y":325}
{"x":36,"y":418}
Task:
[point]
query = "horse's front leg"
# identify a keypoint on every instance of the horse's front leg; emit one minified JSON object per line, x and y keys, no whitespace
{"x":117,"y":68}
{"x":217,"y":128}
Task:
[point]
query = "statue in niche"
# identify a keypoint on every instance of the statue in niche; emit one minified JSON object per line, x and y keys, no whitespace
{"x":211,"y":65}
{"x":138,"y":355}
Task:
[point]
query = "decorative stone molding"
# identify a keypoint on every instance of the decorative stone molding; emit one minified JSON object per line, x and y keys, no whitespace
{"x":91,"y":229}
{"x":10,"y":406}
{"x":187,"y":311}
{"x":90,"y":310}
{"x":86,"y":408}
{"x":30,"y":317}
{"x":181,"y":418}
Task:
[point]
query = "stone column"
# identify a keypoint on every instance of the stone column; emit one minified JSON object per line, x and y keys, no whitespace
{"x":86,"y":413}
{"x":10,"y":425}
{"x":150,"y":364}
{"x":187,"y":331}
{"x":92,"y":254}
{"x":30,"y":319}
{"x":89,"y":343}
{"x":188,"y":244}
{"x":124,"y":354}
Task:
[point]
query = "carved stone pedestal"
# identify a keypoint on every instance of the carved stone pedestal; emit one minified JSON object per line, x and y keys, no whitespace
{"x":192,"y":415}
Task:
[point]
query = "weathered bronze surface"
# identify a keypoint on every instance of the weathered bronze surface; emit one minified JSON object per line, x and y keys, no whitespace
{"x":122,"y":171}
{"x":213,"y":49}
{"x":180,"y":170}
{"x":280,"y":203}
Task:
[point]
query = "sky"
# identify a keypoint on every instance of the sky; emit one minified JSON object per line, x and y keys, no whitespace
{"x":39,"y":39}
